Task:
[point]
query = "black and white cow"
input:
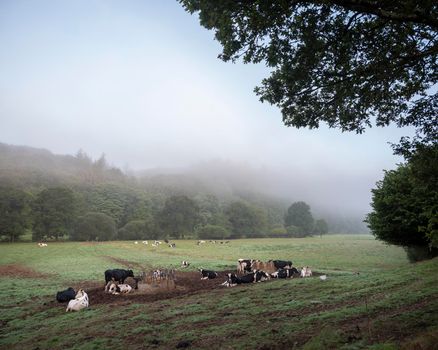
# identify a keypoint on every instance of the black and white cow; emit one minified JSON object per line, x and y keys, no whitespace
{"x":285,"y":273}
{"x":256,"y":276}
{"x":172,"y":245}
{"x":185,"y":263}
{"x":79,"y":302}
{"x":244,"y":265}
{"x":117,"y":275}
{"x":282,"y":264}
{"x":119,"y":288}
{"x":66,"y":295}
{"x":207,"y":274}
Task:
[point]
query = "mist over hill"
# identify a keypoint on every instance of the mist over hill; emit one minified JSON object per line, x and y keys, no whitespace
{"x":33,"y":169}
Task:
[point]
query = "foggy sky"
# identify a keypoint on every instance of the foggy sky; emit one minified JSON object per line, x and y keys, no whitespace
{"x":140,"y":81}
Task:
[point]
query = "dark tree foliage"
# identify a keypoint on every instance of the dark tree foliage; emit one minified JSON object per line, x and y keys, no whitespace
{"x":14,"y":213}
{"x":299,"y":216}
{"x":405,"y":202}
{"x":179,"y":216}
{"x":245,"y":220}
{"x":213,"y":232}
{"x":54,"y":211}
{"x":350,"y":64}
{"x":94,"y":227}
{"x":321,"y":227}
{"x":138,"y":229}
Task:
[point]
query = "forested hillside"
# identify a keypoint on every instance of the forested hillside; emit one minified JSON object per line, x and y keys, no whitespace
{"x":63,"y":196}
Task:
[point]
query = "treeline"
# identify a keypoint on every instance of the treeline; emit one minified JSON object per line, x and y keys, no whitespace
{"x":74,"y":197}
{"x":109,"y":212}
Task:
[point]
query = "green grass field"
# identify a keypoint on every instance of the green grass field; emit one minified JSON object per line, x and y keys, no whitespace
{"x":373,"y":298}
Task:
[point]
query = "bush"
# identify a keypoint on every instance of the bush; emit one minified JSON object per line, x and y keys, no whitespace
{"x":294,"y":231}
{"x":420,"y":253}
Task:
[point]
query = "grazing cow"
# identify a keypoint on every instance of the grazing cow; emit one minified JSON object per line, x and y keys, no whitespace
{"x":80,"y":302}
{"x":244,"y":265}
{"x":145,"y":242}
{"x":185,"y":263}
{"x":282,"y":264}
{"x":306,"y":271}
{"x":117,"y":275}
{"x":66,"y":295}
{"x":172,"y":245}
{"x":166,"y":241}
{"x":119,"y":288}
{"x":285,"y":273}
{"x":207,"y":274}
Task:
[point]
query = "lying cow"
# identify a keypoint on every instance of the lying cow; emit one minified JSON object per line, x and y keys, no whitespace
{"x":306,"y":271}
{"x":282,"y":264}
{"x":256,"y":276}
{"x":66,"y":295}
{"x":119,"y":288}
{"x":80,"y":302}
{"x":285,"y":273}
{"x":207,"y":274}
{"x":117,"y":275}
{"x":244,"y":265}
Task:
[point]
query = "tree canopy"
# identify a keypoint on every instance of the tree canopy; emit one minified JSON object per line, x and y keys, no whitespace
{"x":14,"y":209}
{"x":350,"y":64}
{"x":94,"y":226}
{"x":299,"y":216}
{"x":179,"y":216}
{"x":54,"y":212}
{"x":405,"y":202}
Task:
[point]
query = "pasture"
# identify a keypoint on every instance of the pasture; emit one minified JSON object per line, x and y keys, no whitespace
{"x":372,"y":298}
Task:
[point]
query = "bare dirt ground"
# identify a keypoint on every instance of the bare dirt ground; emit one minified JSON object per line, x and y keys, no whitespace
{"x":185,"y":283}
{"x":14,"y":270}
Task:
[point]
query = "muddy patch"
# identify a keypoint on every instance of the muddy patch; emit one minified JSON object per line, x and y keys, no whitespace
{"x":15,"y":270}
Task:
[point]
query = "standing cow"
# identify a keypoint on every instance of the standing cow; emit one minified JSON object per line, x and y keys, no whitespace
{"x":117,"y":275}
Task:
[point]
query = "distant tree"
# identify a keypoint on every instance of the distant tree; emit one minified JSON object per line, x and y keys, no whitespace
{"x":405,"y":203}
{"x":14,"y":213}
{"x":210,"y":210}
{"x":346,"y":63}
{"x":299,"y":215}
{"x":109,"y":199}
{"x":179,"y":216}
{"x":295,"y":231}
{"x":245,"y":219}
{"x":93,"y":227}
{"x":138,"y":229}
{"x":54,"y":210}
{"x":213,"y":232}
{"x":135,"y":207}
{"x":321,"y":227}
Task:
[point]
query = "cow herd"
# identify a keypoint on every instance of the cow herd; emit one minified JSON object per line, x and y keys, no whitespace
{"x":248,"y":271}
{"x":251,"y":271}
